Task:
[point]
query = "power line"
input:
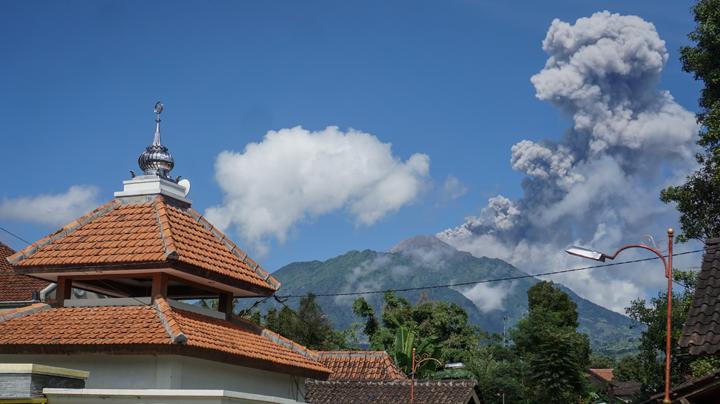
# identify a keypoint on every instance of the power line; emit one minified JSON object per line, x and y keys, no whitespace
{"x":15,"y":235}
{"x":507,"y":278}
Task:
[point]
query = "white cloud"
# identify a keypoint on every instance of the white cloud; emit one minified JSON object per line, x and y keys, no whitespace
{"x":599,"y":184}
{"x":485,"y":297}
{"x":51,"y":209}
{"x":295,"y":174}
{"x":452,"y":188}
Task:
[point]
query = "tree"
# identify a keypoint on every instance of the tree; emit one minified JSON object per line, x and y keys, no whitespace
{"x":441,"y":326}
{"x":547,"y":340}
{"x":308,"y":325}
{"x":502,"y":375}
{"x":698,"y":198}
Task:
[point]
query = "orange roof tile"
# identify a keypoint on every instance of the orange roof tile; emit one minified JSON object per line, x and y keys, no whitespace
{"x":13,"y":286}
{"x":360,"y":365}
{"x":156,"y":329}
{"x":144,"y":231}
{"x":604,"y":374}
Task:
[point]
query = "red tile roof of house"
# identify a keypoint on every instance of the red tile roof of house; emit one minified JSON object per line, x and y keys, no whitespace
{"x":145,"y":232}
{"x":383,"y":392}
{"x":15,"y":287}
{"x":603,"y":374}
{"x":360,"y":365}
{"x":156,"y":329}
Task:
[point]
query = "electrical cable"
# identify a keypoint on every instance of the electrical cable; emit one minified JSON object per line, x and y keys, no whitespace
{"x":282,"y":298}
{"x":15,"y":235}
{"x":507,"y":278}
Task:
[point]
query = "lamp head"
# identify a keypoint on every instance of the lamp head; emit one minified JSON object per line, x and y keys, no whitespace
{"x":586,"y":253}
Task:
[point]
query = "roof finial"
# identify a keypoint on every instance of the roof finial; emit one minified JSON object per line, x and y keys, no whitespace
{"x":156,"y":159}
{"x":158,"y":111}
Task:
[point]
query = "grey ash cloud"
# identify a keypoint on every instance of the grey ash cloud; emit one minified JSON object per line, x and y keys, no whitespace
{"x":598,"y":184}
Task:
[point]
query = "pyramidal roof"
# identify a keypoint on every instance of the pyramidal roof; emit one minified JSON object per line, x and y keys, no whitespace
{"x":144,"y":232}
{"x":150,"y":225}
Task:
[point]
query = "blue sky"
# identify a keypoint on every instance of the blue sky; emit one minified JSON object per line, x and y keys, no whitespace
{"x":449,"y":79}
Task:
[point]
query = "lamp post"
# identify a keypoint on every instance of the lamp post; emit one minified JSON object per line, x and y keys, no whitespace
{"x":667,"y":264}
{"x":416,"y":364}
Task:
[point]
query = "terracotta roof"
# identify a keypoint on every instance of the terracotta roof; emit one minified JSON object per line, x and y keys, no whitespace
{"x":156,"y":329}
{"x":602,"y":374}
{"x":705,"y":389}
{"x":701,"y":333}
{"x":144,"y":232}
{"x":15,"y":287}
{"x":360,"y":365}
{"x":435,"y":392}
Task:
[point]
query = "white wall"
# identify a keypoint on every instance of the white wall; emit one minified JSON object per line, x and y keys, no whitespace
{"x":169,"y":372}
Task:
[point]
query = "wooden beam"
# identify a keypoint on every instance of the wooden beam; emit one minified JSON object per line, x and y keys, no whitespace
{"x":159,"y":284}
{"x":63,"y":291}
{"x":225,"y":304}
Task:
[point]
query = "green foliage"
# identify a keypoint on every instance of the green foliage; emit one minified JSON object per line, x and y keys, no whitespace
{"x":308,"y":326}
{"x":402,"y":353}
{"x":502,"y":375}
{"x":436,"y":329}
{"x":629,"y":368}
{"x":601,"y":362}
{"x":548,"y":341}
{"x":610,"y":332}
{"x":556,"y":368}
{"x":697,"y":199}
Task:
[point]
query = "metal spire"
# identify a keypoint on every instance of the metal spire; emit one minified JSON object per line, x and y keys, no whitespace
{"x":158,"y":111}
{"x":156,"y":159}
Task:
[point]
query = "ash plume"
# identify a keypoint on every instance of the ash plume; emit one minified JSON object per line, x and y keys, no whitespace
{"x":598,"y":184}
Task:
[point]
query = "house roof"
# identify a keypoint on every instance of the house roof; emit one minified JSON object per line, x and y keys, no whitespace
{"x":360,"y":365}
{"x":145,"y":232}
{"x":384,"y":392}
{"x":705,"y":389}
{"x":15,"y":287}
{"x":701,"y":332}
{"x":605,"y":375}
{"x":159,"y":328}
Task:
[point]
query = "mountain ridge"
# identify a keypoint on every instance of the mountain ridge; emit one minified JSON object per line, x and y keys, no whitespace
{"x":423,"y":261}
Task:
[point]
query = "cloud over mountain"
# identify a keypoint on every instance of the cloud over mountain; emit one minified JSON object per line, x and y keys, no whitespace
{"x":599,"y":183}
{"x":295,"y":174}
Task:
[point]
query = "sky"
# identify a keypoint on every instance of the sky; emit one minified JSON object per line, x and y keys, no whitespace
{"x":308,"y":129}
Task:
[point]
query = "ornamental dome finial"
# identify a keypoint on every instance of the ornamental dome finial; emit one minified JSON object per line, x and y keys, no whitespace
{"x":156,"y":159}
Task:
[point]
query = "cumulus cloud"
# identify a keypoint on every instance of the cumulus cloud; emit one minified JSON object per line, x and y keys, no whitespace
{"x":599,"y":183}
{"x":485,"y":297}
{"x":51,"y":209}
{"x":295,"y":174}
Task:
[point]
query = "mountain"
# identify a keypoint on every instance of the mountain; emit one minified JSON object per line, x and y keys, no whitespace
{"x":426,"y":260}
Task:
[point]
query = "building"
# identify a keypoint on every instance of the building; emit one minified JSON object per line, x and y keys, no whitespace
{"x":19,"y":290}
{"x":147,"y":250}
{"x":616,"y":391}
{"x":372,"y":377}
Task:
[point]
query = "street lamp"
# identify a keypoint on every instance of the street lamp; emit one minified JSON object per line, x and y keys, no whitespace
{"x":667,"y":265}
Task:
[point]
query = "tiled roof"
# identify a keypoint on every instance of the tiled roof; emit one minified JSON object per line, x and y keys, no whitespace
{"x":15,"y":287}
{"x":603,"y":374}
{"x":705,"y":389}
{"x":435,"y":392}
{"x":701,"y":333}
{"x":360,"y":365}
{"x":144,"y":231}
{"x":156,"y":329}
